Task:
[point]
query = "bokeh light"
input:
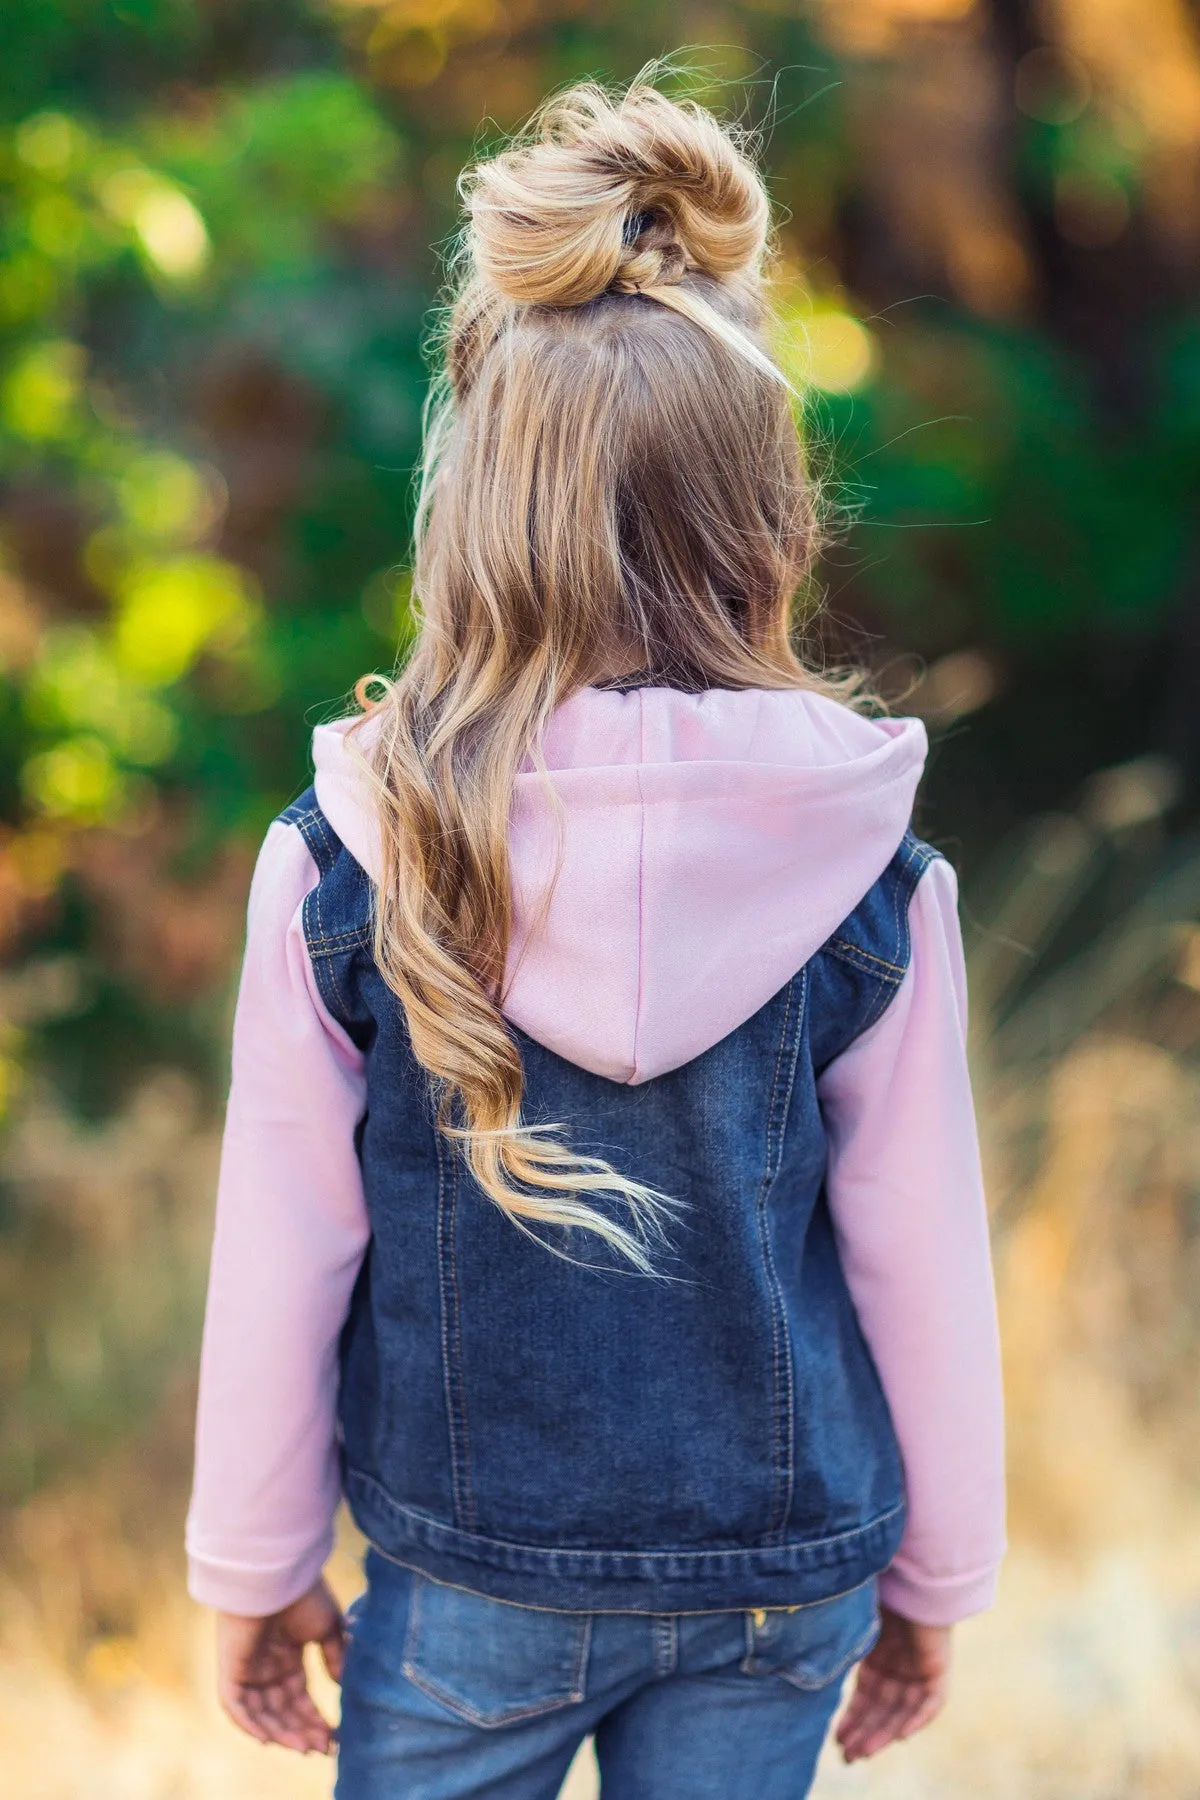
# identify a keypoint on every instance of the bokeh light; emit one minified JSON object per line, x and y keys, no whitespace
{"x":218,"y":280}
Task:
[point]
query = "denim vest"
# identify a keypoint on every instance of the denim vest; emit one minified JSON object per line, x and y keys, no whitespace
{"x":560,"y":1431}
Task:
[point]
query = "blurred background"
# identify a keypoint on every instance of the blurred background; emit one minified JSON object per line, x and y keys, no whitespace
{"x":217,"y":259}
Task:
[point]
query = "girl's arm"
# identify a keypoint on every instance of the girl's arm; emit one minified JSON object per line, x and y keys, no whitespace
{"x":906,"y":1195}
{"x":290,"y":1236}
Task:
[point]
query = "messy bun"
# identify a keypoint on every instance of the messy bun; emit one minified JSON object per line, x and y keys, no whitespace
{"x":632,"y":194}
{"x":627,"y":194}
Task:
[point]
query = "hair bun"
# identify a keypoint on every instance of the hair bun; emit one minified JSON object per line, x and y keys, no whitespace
{"x":624,"y":193}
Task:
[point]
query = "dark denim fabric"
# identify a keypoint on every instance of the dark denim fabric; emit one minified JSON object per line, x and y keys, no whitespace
{"x":568,"y":1434}
{"x":448,"y":1694}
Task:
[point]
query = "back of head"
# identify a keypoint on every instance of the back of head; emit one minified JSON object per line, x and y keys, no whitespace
{"x":613,"y":482}
{"x":605,"y":365}
{"x":621,"y":195}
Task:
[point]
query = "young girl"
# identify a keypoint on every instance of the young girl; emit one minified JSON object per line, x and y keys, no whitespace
{"x":600,"y":1207}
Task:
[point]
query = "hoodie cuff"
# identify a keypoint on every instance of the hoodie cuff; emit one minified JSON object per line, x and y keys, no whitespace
{"x":938,"y":1601}
{"x":255,"y":1590}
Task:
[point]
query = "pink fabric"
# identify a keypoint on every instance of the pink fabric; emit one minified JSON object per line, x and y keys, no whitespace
{"x":706,"y":845}
{"x":291,"y":1233}
{"x":906,"y":1193}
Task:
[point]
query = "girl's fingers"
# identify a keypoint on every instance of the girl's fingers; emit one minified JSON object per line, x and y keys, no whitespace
{"x":262,"y":1679}
{"x":889,"y":1728}
{"x":900,"y":1687}
{"x":242,"y":1718}
{"x":890,"y":1710}
{"x":873,"y":1696}
{"x":291,"y":1714}
{"x":305,"y":1717}
{"x":295,"y":1716}
{"x":924,"y":1714}
{"x":872,"y":1733}
{"x":909,"y":1715}
{"x":874,"y":1737}
{"x":264,"y":1706}
{"x":255,"y":1708}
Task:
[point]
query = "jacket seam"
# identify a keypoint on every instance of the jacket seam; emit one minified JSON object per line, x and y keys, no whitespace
{"x":323,"y":845}
{"x":783,"y":1420}
{"x":914,"y":858}
{"x":329,"y":945}
{"x":451,"y":1306}
{"x":323,"y":971}
{"x":330,"y":968}
{"x":847,"y":951}
{"x":672,"y":1553}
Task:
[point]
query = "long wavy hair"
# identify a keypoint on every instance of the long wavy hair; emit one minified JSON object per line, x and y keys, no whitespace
{"x":613,"y":482}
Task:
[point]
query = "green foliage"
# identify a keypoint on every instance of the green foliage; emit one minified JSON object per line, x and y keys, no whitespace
{"x":215,"y":273}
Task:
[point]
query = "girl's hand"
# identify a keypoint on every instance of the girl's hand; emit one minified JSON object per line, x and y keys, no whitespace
{"x":260,"y":1670}
{"x":901,"y":1686}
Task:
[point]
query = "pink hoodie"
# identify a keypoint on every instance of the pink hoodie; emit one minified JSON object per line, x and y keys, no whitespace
{"x":706,"y":846}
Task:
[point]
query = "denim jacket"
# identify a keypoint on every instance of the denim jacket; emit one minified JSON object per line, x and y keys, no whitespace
{"x":558,"y":1430}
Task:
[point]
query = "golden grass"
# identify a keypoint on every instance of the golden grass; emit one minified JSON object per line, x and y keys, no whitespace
{"x":1083,"y":1683}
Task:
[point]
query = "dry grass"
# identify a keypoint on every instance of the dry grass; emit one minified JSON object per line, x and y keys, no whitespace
{"x":1083,"y":1684}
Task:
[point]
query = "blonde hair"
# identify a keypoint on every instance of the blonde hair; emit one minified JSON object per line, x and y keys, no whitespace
{"x":613,"y":481}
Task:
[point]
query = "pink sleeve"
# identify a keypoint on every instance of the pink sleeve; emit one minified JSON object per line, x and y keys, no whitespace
{"x":290,"y":1236}
{"x":906,"y":1195}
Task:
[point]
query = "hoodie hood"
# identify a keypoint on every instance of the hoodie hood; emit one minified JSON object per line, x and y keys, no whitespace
{"x":705,"y":846}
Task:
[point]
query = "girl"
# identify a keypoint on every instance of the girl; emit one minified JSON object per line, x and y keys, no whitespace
{"x":600,"y":1207}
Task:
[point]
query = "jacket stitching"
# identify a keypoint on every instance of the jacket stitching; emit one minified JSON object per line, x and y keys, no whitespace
{"x":330,"y":844}
{"x":913,"y":858}
{"x":784,"y":1399}
{"x":847,"y":951}
{"x":468,"y":1494}
{"x":330,"y":965}
{"x":311,"y":826}
{"x":884,"y":994}
{"x":324,"y":847}
{"x":738,"y":1553}
{"x":456,"y":1421}
{"x":322,"y":967}
{"x":785,"y":1110}
{"x":885,"y":977}
{"x":770,"y":1270}
{"x":340,"y":940}
{"x":337,"y":986}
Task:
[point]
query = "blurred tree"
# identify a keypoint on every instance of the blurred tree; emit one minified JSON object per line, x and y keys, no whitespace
{"x":215,"y":265}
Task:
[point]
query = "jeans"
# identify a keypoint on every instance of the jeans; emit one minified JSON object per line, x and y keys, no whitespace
{"x":446,"y":1694}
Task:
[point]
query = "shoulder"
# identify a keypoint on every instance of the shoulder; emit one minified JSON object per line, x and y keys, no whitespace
{"x":305,"y":818}
{"x":298,"y":852}
{"x":284,"y":873}
{"x":876,"y":934}
{"x":336,"y":900}
{"x":860,"y":968}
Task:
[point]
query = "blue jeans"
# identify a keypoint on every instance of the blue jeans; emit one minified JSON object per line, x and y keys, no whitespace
{"x":447,"y":1695}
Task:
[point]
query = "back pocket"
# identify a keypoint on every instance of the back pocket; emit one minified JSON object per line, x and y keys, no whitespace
{"x":810,"y":1646}
{"x":489,"y":1662}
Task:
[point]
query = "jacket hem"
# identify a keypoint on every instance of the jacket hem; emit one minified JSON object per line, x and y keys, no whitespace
{"x":735,"y":1578}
